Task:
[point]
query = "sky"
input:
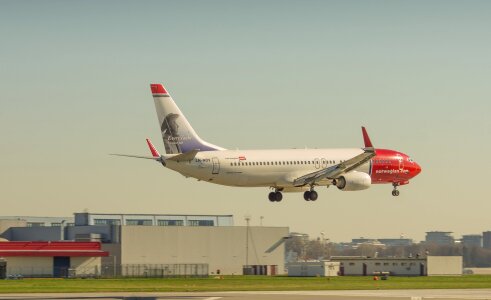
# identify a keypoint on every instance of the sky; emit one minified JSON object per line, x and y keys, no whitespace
{"x":74,"y":87}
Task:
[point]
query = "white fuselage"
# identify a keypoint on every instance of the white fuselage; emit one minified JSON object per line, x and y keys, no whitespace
{"x":263,"y":168}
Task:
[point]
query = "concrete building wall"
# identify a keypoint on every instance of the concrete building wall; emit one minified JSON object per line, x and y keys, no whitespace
{"x":30,"y":266}
{"x":35,"y":233}
{"x":84,"y":219}
{"x":444,"y":265}
{"x":222,"y":248}
{"x":5,"y":226}
{"x":86,"y":265}
{"x":106,"y":232}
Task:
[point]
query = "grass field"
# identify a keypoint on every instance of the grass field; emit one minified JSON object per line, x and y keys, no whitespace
{"x":239,"y":283}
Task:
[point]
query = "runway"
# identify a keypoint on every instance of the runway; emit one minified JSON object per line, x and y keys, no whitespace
{"x":435,"y":294}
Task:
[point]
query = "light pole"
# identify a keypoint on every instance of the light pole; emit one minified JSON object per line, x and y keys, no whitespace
{"x":247,"y":219}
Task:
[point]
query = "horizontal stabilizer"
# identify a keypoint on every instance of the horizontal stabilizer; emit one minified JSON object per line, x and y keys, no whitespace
{"x":184,"y":156}
{"x":135,"y":156}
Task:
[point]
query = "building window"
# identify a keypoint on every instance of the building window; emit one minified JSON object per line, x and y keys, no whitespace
{"x":386,"y":264}
{"x":106,"y":222}
{"x":394,"y":264}
{"x":170,"y":222}
{"x":377,"y":264}
{"x":403,"y":264}
{"x":201,"y":223}
{"x":35,"y":224}
{"x":139,"y":222}
{"x":351,"y":263}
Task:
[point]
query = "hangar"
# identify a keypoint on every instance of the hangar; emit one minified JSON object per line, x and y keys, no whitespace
{"x":143,"y":244}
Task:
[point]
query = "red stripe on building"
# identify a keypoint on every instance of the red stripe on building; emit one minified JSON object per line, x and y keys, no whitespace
{"x":86,"y":249}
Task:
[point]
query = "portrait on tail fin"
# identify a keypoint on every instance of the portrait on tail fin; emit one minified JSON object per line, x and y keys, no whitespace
{"x":170,"y":133}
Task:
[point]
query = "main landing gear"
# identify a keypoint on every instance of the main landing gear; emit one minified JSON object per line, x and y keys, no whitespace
{"x":395,"y":192}
{"x":310,"y":195}
{"x":275,"y":196}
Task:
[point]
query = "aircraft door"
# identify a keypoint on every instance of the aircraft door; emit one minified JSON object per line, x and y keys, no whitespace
{"x":324,"y":163}
{"x":317,"y":163}
{"x":216,"y":165}
{"x":401,"y":163}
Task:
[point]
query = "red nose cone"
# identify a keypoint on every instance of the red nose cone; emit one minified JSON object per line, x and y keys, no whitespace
{"x":417,"y":169}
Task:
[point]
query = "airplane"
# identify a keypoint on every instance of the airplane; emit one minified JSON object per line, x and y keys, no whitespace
{"x":283,"y":170}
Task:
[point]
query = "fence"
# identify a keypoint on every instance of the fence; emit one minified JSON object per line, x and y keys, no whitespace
{"x":158,"y":270}
{"x":111,"y":271}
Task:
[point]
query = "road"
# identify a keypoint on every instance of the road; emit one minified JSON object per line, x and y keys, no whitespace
{"x":434,"y":294}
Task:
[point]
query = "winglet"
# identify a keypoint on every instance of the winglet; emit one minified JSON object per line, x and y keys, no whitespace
{"x":154,"y":151}
{"x":366,"y":138}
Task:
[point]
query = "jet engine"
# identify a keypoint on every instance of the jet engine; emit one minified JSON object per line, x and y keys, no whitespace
{"x":353,"y":181}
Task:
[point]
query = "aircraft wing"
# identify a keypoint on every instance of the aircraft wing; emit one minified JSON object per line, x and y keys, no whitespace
{"x":335,"y":171}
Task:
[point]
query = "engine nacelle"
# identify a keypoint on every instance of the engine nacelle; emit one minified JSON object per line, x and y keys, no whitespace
{"x":354,"y":181}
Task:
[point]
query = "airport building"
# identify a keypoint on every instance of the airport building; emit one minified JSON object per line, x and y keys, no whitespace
{"x":368,"y":266}
{"x":142,"y":244}
{"x":427,"y":266}
{"x":472,"y":240}
{"x":382,"y":242}
{"x":486,"y":239}
{"x":440,"y":238}
{"x":50,"y":259}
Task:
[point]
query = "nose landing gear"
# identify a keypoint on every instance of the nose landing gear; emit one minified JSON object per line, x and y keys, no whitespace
{"x":395,"y":192}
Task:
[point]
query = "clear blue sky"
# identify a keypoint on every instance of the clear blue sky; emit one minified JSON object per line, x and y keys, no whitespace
{"x":74,"y":86}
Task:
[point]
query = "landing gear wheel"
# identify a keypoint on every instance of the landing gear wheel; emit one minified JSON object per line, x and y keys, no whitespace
{"x":272,"y":197}
{"x":395,"y":192}
{"x":306,"y":196}
{"x":278,"y":196}
{"x":313,"y":195}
